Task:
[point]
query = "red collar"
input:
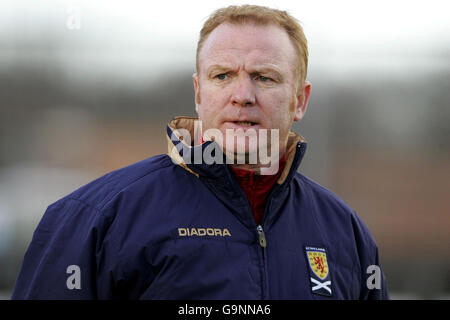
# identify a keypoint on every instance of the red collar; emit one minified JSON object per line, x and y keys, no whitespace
{"x":257,"y":187}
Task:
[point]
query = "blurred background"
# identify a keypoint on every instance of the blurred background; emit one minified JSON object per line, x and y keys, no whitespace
{"x":87,"y":87}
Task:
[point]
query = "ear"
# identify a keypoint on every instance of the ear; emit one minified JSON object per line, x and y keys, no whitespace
{"x":196,"y":91}
{"x":302,"y":100}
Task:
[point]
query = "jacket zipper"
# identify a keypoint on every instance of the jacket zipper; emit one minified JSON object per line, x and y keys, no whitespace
{"x":262,"y":237}
{"x":263,"y":243}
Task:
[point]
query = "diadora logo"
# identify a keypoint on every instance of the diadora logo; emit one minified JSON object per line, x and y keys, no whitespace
{"x":211,"y":232}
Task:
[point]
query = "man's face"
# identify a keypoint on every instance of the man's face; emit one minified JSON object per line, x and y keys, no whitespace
{"x":247,"y":80}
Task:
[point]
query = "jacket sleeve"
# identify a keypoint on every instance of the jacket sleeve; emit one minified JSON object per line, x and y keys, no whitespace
{"x":373,"y":280}
{"x":65,"y":259}
{"x":375,"y":286}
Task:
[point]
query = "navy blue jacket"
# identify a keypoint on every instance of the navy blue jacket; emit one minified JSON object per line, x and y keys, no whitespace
{"x":161,"y":230}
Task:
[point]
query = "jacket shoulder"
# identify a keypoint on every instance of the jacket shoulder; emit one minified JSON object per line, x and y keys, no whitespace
{"x":99,"y":192}
{"x":332,"y":211}
{"x":322,"y":195}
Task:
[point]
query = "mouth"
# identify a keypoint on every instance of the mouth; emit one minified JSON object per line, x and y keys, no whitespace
{"x":245,"y":123}
{"x":242,"y":124}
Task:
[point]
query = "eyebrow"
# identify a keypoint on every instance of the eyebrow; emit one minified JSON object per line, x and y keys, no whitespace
{"x":255,"y":69}
{"x":218,"y":67}
{"x":271,"y":71}
{"x":268,"y":70}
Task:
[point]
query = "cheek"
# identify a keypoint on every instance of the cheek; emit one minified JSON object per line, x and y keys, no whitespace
{"x":280,"y":108}
{"x":211,"y":106}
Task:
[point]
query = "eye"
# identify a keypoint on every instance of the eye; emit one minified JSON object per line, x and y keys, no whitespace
{"x":263,"y":79}
{"x":221,"y":76}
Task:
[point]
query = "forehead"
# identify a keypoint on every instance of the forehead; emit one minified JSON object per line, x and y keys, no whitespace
{"x":247,"y":44}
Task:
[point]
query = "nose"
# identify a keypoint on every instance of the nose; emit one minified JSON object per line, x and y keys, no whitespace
{"x":243,"y":94}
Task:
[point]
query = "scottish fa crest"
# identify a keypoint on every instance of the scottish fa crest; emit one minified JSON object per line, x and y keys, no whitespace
{"x":319,"y":272}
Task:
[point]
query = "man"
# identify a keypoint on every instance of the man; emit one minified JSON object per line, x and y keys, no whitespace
{"x":205,"y":222}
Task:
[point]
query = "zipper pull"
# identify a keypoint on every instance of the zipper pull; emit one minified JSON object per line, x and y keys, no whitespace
{"x":262,"y":237}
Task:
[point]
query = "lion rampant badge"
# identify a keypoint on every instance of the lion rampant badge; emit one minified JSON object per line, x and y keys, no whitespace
{"x":318,"y":263}
{"x":319,"y":270}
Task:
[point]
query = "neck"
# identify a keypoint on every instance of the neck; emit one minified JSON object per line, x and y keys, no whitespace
{"x":267,"y":169}
{"x":244,"y":162}
{"x":257,"y":187}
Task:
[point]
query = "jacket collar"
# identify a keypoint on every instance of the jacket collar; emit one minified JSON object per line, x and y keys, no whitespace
{"x":186,"y":154}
